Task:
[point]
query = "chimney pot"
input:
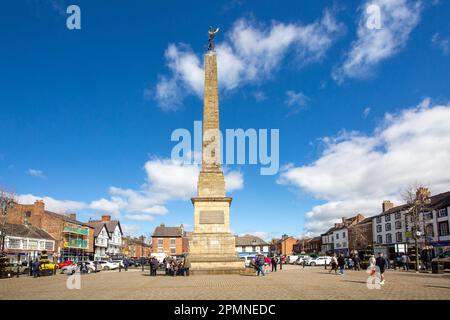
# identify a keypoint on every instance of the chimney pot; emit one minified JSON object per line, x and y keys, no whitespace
{"x":106,"y":218}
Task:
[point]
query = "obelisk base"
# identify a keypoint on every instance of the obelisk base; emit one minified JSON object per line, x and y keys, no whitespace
{"x":214,"y":253}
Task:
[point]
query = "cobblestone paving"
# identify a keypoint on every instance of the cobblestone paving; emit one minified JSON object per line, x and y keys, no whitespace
{"x":292,"y":282}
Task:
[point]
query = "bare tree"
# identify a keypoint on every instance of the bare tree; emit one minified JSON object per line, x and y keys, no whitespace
{"x":358,"y":236}
{"x":417,"y":199}
{"x":7,"y":201}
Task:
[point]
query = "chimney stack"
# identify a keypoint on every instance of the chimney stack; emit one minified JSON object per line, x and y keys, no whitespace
{"x":343,"y":220}
{"x":73,"y":216}
{"x":39,"y":207}
{"x":387,"y":205}
{"x":106,"y":218}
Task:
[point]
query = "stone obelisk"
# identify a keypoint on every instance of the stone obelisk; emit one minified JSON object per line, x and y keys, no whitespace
{"x":212,"y":245}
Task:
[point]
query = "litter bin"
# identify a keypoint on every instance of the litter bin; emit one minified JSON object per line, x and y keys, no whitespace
{"x":437,"y":268}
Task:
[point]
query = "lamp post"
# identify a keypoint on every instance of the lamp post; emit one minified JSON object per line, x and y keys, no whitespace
{"x":142,"y":253}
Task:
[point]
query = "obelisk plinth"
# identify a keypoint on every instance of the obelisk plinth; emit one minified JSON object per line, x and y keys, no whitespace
{"x":212,"y":245}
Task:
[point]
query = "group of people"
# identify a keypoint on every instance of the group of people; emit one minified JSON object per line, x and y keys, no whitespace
{"x":263,"y":264}
{"x":340,"y":263}
{"x":174,"y":267}
{"x":376,"y":265}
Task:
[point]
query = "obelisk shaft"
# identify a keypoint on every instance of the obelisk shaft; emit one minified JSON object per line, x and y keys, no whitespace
{"x":211,"y":182}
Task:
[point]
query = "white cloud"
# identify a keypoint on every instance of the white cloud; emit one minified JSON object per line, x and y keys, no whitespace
{"x":441,"y":43}
{"x":130,"y":229}
{"x":51,"y":204}
{"x":250,"y":53}
{"x":259,"y":96}
{"x":36,"y":173}
{"x":296,"y":101}
{"x":234,"y":180}
{"x":398,"y":19}
{"x":366,"y":112}
{"x":356,"y":172}
{"x":166,"y":181}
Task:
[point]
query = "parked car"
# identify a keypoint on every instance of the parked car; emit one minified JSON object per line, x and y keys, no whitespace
{"x":247,"y":260}
{"x":301,"y":259}
{"x":292,"y":259}
{"x":120,"y":262}
{"x":444,"y":259}
{"x":65,"y":263}
{"x":108,"y":265}
{"x":69,"y":269}
{"x":319,"y":261}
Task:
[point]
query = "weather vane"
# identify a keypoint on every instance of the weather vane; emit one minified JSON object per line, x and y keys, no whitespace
{"x":211,"y":34}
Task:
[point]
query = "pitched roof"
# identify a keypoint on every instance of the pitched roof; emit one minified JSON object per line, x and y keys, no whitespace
{"x":110,"y":225}
{"x":66,"y":218}
{"x":26,"y":231}
{"x":98,"y":226}
{"x":249,"y":240}
{"x":440,"y":200}
{"x":163,"y":231}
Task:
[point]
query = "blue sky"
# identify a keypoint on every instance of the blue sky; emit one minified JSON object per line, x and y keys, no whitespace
{"x":86,"y":115}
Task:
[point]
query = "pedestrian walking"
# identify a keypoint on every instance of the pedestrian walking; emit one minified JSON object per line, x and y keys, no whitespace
{"x":382,"y":265}
{"x":334,"y":264}
{"x":260,"y":264}
{"x":341,"y":264}
{"x":125,"y":264}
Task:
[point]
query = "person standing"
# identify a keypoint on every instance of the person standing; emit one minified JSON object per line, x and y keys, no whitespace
{"x":382,"y":265}
{"x":341,"y":264}
{"x":274,"y":264}
{"x":357,"y":262}
{"x":405,"y":262}
{"x":186,"y":264}
{"x":35,"y":267}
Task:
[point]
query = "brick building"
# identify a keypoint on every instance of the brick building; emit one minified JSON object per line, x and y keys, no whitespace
{"x":73,"y":239}
{"x":136,"y":247}
{"x":170,"y":240}
{"x":308,"y":245}
{"x":283,"y":246}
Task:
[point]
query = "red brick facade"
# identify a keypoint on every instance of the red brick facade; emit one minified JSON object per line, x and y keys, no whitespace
{"x":67,"y":231}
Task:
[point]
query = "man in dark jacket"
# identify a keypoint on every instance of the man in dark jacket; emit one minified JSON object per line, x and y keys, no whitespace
{"x":357,"y":261}
{"x":381,"y":264}
{"x":274,"y":264}
{"x":35,"y":267}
